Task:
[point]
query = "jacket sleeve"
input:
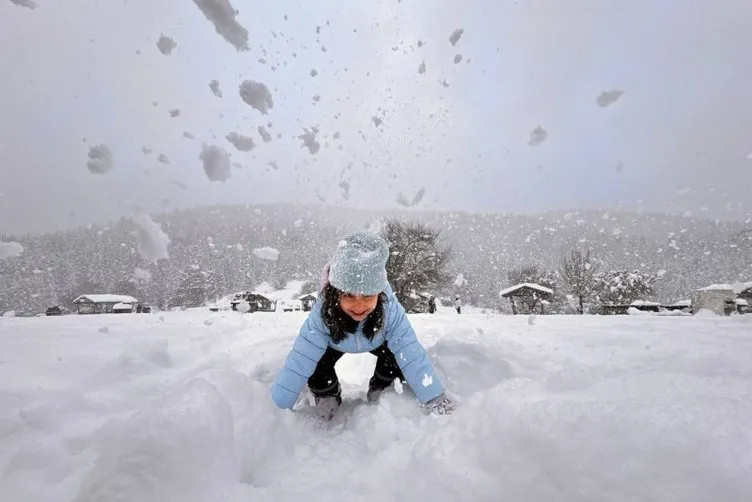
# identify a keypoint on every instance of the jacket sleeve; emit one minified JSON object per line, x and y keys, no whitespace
{"x":301,"y":362}
{"x":411,"y":357}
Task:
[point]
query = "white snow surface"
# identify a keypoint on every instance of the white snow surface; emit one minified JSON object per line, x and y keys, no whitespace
{"x":10,"y":249}
{"x":266,"y":253}
{"x":222,"y":14}
{"x":257,"y":95}
{"x":176,"y":406}
{"x":530,"y":285}
{"x":152,"y":241}
{"x":100,"y":159}
{"x":216,"y":162}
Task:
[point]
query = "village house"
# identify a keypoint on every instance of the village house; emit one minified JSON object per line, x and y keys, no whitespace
{"x":103,"y":303}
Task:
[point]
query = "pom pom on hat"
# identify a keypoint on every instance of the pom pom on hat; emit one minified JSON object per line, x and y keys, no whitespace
{"x":359,"y":264}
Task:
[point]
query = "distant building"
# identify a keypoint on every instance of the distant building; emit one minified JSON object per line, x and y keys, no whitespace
{"x":527,"y":296}
{"x":256,"y":302}
{"x":308,"y":300}
{"x":101,"y":303}
{"x":723,"y":299}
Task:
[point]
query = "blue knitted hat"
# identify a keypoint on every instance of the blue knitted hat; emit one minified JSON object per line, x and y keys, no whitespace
{"x":359,"y":264}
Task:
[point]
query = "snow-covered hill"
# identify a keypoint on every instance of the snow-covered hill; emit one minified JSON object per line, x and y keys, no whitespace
{"x":175,"y":407}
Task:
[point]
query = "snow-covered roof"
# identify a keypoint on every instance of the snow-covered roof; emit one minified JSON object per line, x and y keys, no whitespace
{"x":530,"y":285}
{"x":314,"y":294}
{"x":106,"y":298}
{"x":122,"y":306}
{"x":742,"y":302}
{"x":644,"y":303}
{"x":682,"y":303}
{"x":736,"y":287}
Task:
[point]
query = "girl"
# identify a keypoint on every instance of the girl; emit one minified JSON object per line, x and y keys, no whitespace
{"x":357,"y":312}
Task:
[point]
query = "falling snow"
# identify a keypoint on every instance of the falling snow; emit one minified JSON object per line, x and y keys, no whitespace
{"x":455,"y":36}
{"x":216,"y":162}
{"x":309,"y":140}
{"x":163,"y":159}
{"x":100,"y":159}
{"x":214,"y":86}
{"x":256,"y":95}
{"x":265,"y":135}
{"x":422,"y":68}
{"x":607,"y":98}
{"x":152,"y":241}
{"x":242,"y":143}
{"x":10,"y":249}
{"x":222,"y":15}
{"x":166,"y":44}
{"x":537,"y":136}
{"x":266,"y":253}
{"x":31,"y":4}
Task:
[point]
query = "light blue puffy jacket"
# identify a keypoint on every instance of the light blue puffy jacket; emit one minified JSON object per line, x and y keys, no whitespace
{"x":313,"y":339}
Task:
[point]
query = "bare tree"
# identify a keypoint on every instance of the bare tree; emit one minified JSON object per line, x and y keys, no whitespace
{"x":417,"y":261}
{"x":579,"y":274}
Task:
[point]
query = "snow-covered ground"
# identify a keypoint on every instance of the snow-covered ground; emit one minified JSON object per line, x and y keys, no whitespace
{"x":175,"y":407}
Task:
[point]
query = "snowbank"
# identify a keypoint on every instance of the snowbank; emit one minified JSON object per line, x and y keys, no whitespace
{"x":571,"y":408}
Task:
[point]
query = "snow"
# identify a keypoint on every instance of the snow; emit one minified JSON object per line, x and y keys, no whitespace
{"x":166,"y":44}
{"x":537,"y":136}
{"x":163,"y":159}
{"x":100,"y":159}
{"x":152,"y":241}
{"x":309,"y":140}
{"x":31,"y":4}
{"x":682,"y":303}
{"x":460,"y":280}
{"x":107,"y":298}
{"x":256,"y":95}
{"x":188,"y":135}
{"x":530,"y":285}
{"x":644,"y":303}
{"x":216,"y":162}
{"x":404,"y":201}
{"x":455,"y":36}
{"x":242,"y":143}
{"x":608,"y":408}
{"x":175,"y":112}
{"x":141,"y":274}
{"x":266,"y":253}
{"x":265,"y":135}
{"x":607,"y":98}
{"x":457,"y":58}
{"x":214,"y":86}
{"x":10,"y":249}
{"x":422,"y":68}
{"x":742,"y":302}
{"x":736,"y":287}
{"x":222,"y":14}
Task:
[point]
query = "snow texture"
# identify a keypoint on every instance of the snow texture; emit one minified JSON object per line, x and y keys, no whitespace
{"x":152,"y":241}
{"x":216,"y":162}
{"x":309,"y":140}
{"x":455,"y":36}
{"x":530,"y":285}
{"x":265,"y":135}
{"x":214,"y":86}
{"x":537,"y":136}
{"x":607,"y":98}
{"x":404,"y":201}
{"x":100,"y":159}
{"x":242,"y":143}
{"x":10,"y":249}
{"x":601,"y":408}
{"x":266,"y":253}
{"x":166,"y":44}
{"x":31,"y":4}
{"x":141,"y":275}
{"x":256,"y":95}
{"x":222,"y":15}
{"x":163,"y":159}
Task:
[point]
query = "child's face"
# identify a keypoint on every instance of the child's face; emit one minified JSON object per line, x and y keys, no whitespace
{"x":358,"y":306}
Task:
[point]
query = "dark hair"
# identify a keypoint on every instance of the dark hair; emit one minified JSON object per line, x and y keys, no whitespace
{"x":339,"y":323}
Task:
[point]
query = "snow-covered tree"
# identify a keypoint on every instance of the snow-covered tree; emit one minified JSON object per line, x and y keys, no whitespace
{"x":578,"y":273}
{"x":622,"y":287}
{"x":418,"y":262}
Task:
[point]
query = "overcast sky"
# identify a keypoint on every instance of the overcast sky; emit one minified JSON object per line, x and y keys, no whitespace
{"x":81,"y":73}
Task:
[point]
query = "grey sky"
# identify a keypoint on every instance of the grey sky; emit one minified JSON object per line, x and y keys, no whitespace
{"x":677,"y":139}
